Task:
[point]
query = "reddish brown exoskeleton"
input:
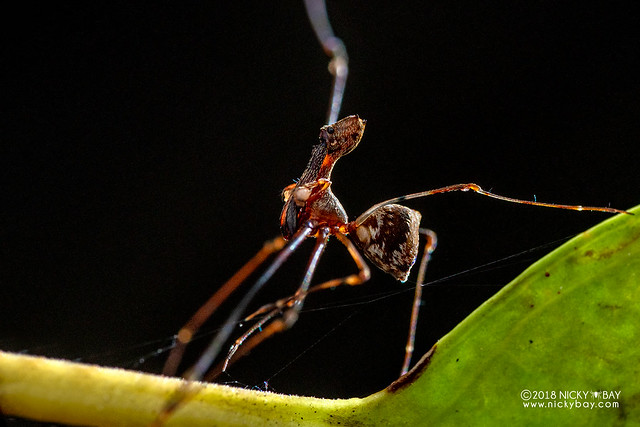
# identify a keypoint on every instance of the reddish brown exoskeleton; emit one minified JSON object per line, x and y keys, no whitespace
{"x":388,"y":236}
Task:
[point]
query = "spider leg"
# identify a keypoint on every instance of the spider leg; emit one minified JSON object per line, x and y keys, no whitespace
{"x":429,"y":247}
{"x":333,"y":46}
{"x":200,"y":368}
{"x":289,"y":317}
{"x":197,"y":371}
{"x":238,"y":344}
{"x":290,"y":307}
{"x":187,"y":332}
{"x":363,"y":275}
{"x":477,"y":189}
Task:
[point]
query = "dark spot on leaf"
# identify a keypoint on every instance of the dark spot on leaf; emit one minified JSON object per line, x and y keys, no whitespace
{"x":603,"y":254}
{"x":609,"y":306}
{"x":531,"y":306}
{"x":415,"y":372}
{"x":457,"y":360}
{"x":547,"y":274}
{"x":558,"y":292}
{"x":530,"y":341}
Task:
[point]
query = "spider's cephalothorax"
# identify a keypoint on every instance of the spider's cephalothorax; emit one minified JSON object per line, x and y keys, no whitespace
{"x":311,"y":198}
{"x":388,"y":236}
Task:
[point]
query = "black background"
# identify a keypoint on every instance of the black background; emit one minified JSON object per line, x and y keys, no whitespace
{"x":146,"y":145}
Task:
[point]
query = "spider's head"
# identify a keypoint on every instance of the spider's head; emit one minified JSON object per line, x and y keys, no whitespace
{"x":342,"y":136}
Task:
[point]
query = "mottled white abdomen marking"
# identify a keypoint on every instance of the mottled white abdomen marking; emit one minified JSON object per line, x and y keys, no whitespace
{"x":389,"y":239}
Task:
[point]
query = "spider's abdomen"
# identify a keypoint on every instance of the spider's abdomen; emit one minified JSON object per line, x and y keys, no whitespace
{"x":389,"y":238}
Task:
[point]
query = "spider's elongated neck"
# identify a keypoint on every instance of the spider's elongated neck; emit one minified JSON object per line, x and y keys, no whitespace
{"x":311,"y":199}
{"x":320,"y":165}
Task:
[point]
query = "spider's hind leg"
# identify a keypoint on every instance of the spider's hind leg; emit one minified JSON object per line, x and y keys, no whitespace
{"x":429,"y":247}
{"x":389,"y":236}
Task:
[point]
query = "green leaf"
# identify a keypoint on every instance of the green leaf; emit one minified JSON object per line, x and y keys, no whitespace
{"x":568,"y":324}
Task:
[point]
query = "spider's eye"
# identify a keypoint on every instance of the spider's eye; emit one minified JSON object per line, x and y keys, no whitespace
{"x":330,"y":130}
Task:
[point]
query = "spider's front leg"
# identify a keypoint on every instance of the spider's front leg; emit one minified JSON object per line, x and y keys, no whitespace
{"x":362,"y":276}
{"x":289,"y":308}
{"x":290,"y":316}
{"x":186,"y":333}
